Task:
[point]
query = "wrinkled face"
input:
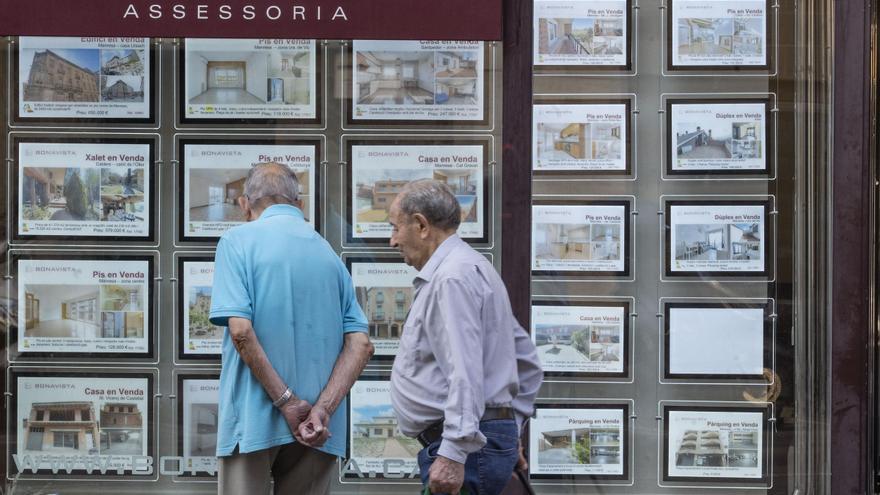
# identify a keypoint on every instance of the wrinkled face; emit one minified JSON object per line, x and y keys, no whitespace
{"x":407,"y":237}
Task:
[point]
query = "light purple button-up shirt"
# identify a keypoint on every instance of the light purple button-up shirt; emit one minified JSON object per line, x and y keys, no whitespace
{"x":461,"y":351}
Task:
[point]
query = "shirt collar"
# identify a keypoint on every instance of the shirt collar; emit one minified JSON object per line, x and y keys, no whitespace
{"x":281,"y":209}
{"x":439,"y":255}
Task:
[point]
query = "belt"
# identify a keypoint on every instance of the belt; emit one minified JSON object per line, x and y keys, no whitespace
{"x":434,"y":432}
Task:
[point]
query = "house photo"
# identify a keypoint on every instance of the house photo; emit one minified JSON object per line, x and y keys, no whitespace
{"x":718,"y":242}
{"x":122,"y":429}
{"x":61,"y":311}
{"x":61,"y":193}
{"x":249,"y":77}
{"x":200,"y":327}
{"x":375,"y":433}
{"x":386,"y":309}
{"x":125,"y":62}
{"x":68,"y":75}
{"x":701,"y":36}
{"x":376,"y":190}
{"x":557,"y":241}
{"x":63,"y":427}
{"x":399,"y":78}
{"x":214,"y":192}
{"x":122,"y":88}
{"x":203,"y":430}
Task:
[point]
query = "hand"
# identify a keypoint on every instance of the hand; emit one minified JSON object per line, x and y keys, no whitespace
{"x":314,"y":431}
{"x":522,"y":464}
{"x":445,"y":476}
{"x":295,"y":411}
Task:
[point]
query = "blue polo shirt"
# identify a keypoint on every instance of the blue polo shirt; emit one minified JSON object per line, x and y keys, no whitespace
{"x":281,"y":275}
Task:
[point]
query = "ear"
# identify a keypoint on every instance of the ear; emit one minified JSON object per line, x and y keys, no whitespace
{"x":423,"y":225}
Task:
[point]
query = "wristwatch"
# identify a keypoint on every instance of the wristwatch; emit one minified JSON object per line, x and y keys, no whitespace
{"x":284,"y":398}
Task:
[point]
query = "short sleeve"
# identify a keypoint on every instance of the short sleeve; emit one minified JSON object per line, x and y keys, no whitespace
{"x":353,"y":318}
{"x":229,"y":296}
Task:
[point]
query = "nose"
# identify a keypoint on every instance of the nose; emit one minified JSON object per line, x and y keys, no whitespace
{"x":393,"y":241}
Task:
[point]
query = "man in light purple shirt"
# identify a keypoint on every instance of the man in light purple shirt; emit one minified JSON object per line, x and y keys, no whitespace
{"x":467,"y":374}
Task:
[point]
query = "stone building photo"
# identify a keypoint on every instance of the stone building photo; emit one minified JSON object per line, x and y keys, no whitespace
{"x":62,"y":75}
{"x":386,"y":309}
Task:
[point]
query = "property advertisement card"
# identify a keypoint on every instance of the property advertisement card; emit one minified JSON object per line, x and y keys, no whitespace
{"x":709,"y":136}
{"x":84,"y":190}
{"x":579,"y":238}
{"x":245,"y":79}
{"x":377,"y":445}
{"x":570,"y":441}
{"x":715,"y":340}
{"x":86,"y":425}
{"x":714,"y":444}
{"x":580,"y":137}
{"x":718,"y":33}
{"x":84,"y":78}
{"x":214,"y":176}
{"x":198,"y":335}
{"x":717,"y":237}
{"x":379,"y":172}
{"x":580,"y":339}
{"x":84,"y":306}
{"x":384,"y":291}
{"x":581,"y":33}
{"x":418,"y":80}
{"x":197,"y":423}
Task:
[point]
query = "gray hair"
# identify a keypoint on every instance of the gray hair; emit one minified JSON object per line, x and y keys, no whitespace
{"x":271,"y":183}
{"x":434,"y":200}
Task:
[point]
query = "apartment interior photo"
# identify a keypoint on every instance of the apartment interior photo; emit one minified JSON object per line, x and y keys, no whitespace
{"x":718,"y":242}
{"x":214,"y":193}
{"x":248,"y":77}
{"x":395,"y":78}
{"x":61,"y":311}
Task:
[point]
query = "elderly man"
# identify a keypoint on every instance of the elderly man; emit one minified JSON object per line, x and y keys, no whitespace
{"x":294,"y":347}
{"x":467,"y":374}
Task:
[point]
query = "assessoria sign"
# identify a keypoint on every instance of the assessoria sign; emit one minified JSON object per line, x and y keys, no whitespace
{"x":319,"y":19}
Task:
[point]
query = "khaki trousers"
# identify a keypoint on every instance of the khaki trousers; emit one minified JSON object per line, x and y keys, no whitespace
{"x":296,"y":469}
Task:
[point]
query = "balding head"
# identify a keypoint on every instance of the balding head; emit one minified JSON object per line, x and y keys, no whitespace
{"x":271,"y":183}
{"x":434,"y":200}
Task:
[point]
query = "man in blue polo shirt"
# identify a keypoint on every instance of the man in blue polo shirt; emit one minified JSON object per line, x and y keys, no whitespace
{"x":295,"y":344}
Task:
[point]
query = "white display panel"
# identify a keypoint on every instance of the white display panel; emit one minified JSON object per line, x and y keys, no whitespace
{"x":213,"y":177}
{"x":94,"y":425}
{"x":384,"y":290}
{"x":717,"y":237}
{"x":197,"y":423}
{"x":719,"y":445}
{"x":84,"y":306}
{"x":84,"y":78}
{"x":586,"y":33}
{"x":581,"y":137}
{"x":579,"y":238}
{"x":579,"y":339}
{"x":377,"y":446}
{"x":715,"y":341}
{"x":198,"y":336}
{"x":418,"y":81}
{"x":707,"y":136}
{"x":97,"y":189}
{"x":249,"y":79}
{"x":577,"y":441}
{"x":718,"y":34}
{"x":378,"y":172}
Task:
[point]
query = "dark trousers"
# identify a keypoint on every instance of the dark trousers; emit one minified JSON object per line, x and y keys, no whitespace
{"x":487,"y":471}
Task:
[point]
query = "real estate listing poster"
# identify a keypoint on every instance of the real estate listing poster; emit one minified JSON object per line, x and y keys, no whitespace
{"x":213,"y":176}
{"x":78,"y":424}
{"x":571,"y":441}
{"x":249,"y":79}
{"x":84,"y":78}
{"x":581,"y":339}
{"x":379,"y":171}
{"x":581,"y":137}
{"x":711,"y":136}
{"x":384,"y":290}
{"x":84,"y":190}
{"x":702,"y":444}
{"x":718,"y":34}
{"x":586,"y":238}
{"x":711,"y":237}
{"x":590,"y":33}
{"x":84,"y":306}
{"x":418,"y":81}
{"x":198,"y":336}
{"x":377,"y":447}
{"x":717,"y":340}
{"x":197,"y":416}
